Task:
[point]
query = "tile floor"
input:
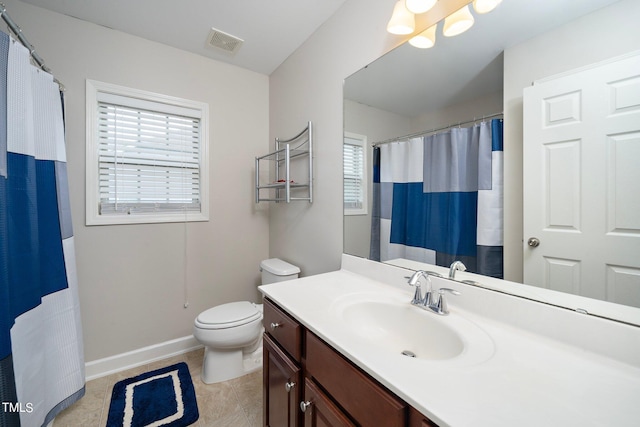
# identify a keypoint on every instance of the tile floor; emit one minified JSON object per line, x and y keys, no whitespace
{"x":234,"y":403}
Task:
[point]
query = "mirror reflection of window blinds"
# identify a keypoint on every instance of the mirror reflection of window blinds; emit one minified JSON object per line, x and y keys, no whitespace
{"x":354,"y":174}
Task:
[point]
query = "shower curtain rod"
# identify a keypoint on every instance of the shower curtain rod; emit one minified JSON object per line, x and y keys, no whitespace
{"x":17,"y":31}
{"x":426,"y":132}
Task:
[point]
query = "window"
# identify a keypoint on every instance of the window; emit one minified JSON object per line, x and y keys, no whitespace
{"x":146,"y":157}
{"x":355,"y":177}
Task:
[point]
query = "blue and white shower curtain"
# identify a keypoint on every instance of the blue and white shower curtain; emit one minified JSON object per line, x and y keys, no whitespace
{"x":439,"y":198}
{"x":41,"y":349}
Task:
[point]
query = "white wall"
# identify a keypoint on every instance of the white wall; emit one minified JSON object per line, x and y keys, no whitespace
{"x":474,"y":108}
{"x":606,"y":33}
{"x":131,"y":277}
{"x":308,"y":86}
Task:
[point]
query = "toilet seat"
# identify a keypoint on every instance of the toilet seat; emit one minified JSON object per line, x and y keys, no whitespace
{"x":228,"y":315}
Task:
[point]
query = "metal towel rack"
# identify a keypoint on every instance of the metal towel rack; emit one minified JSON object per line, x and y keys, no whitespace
{"x":286,"y":186}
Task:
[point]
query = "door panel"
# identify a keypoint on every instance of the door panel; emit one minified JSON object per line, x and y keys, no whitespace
{"x":582,"y":182}
{"x":282,"y":387}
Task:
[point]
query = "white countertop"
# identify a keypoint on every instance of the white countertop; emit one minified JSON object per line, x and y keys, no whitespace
{"x":522,"y":378}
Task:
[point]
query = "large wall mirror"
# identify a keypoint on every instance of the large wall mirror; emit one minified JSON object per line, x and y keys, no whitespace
{"x":485,"y":71}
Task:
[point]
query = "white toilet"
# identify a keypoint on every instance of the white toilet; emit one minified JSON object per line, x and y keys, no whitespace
{"x":232,"y":333}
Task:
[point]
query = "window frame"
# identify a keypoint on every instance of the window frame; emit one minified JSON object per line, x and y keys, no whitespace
{"x":95,"y":91}
{"x":361,"y":142}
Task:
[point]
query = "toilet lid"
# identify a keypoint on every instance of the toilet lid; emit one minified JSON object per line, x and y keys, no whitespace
{"x":229,"y":315}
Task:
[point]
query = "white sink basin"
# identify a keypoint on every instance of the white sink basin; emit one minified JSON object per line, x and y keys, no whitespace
{"x":403,"y":328}
{"x":394,"y":326}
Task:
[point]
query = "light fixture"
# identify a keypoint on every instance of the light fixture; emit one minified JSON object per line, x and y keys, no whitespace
{"x":402,"y":21}
{"x":485,"y":6}
{"x":458,"y":22}
{"x":425,"y":39}
{"x":419,"y":6}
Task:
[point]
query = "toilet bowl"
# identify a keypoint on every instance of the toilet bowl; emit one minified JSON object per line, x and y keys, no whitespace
{"x":232,"y":333}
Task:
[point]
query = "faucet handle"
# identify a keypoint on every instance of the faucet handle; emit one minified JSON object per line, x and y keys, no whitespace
{"x":440,"y":305}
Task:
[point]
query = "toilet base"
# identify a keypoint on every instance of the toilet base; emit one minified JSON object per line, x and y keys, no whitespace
{"x":223,"y":365}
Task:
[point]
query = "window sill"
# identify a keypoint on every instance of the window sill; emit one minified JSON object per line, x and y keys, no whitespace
{"x":354,"y":212}
{"x":146,"y":219}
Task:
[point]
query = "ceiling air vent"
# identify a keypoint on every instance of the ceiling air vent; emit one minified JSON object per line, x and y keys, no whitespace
{"x":223,"y":41}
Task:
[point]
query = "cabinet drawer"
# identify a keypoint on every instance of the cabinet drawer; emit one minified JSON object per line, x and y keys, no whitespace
{"x":367,"y":402}
{"x":284,"y":330}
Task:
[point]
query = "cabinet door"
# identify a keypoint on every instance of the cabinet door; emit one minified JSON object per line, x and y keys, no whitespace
{"x":319,"y":411}
{"x":282,"y":388}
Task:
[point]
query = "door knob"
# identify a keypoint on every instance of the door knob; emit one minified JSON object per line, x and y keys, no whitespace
{"x":304,"y":405}
{"x":275,"y":326}
{"x":534,"y":242}
{"x":290,"y":385}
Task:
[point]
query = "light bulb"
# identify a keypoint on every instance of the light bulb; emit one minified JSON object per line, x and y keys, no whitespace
{"x":485,"y":6}
{"x":458,"y":22}
{"x":425,"y":39}
{"x":402,"y":21}
{"x":420,"y":6}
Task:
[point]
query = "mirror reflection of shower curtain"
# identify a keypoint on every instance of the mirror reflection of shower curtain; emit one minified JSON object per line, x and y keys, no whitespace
{"x":439,"y":198}
{"x":41,"y":347}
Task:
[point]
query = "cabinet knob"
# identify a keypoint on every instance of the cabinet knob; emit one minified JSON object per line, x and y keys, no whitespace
{"x":275,"y":326}
{"x":304,"y":405}
{"x":288,"y":386}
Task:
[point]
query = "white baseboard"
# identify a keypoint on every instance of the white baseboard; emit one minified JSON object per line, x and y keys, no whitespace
{"x":120,"y":362}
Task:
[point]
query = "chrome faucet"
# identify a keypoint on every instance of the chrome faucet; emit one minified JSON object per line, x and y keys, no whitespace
{"x":418,"y":298}
{"x":456,"y":265}
{"x":427,"y":302}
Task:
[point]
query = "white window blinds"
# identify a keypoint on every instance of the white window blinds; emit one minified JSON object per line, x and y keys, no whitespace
{"x":149,"y":159}
{"x":354,"y":175}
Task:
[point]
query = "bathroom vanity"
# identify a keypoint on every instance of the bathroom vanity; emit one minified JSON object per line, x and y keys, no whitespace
{"x":301,"y":390}
{"x":347,"y":348}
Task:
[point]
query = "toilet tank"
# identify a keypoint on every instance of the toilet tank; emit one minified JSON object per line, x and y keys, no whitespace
{"x":276,"y":270}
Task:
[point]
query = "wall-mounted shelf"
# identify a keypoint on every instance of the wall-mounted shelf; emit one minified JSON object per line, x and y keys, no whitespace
{"x":288,"y":185}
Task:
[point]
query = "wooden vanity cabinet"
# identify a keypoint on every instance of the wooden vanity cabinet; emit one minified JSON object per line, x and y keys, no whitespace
{"x":281,"y":371}
{"x":325,"y":389}
{"x":282,"y":383}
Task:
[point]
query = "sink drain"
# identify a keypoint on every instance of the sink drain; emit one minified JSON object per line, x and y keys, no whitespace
{"x":408,"y":353}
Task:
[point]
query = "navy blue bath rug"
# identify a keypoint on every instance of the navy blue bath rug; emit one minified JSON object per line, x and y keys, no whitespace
{"x":164,"y":397}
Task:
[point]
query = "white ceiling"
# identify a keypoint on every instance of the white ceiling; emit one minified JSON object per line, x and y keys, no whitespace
{"x":271,"y":29}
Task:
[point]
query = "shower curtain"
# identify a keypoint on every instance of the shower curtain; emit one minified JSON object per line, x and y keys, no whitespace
{"x":41,"y":349}
{"x":439,"y":198}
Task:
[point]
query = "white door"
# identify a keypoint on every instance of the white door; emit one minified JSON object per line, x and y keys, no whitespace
{"x":582,"y":182}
